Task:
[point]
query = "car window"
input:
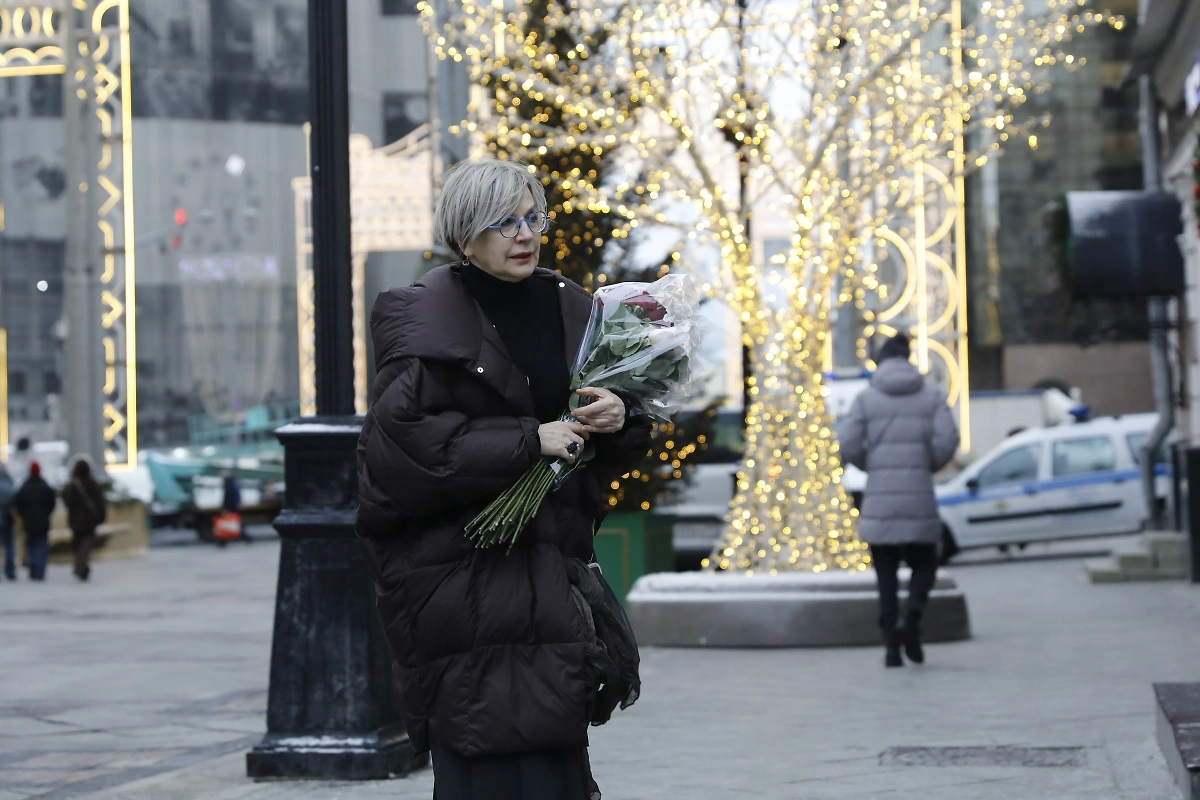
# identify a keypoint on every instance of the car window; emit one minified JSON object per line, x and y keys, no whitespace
{"x":1014,"y":466}
{"x":1135,"y":441}
{"x":1081,"y":456}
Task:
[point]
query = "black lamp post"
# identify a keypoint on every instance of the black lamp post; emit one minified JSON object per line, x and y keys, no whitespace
{"x":332,"y":710}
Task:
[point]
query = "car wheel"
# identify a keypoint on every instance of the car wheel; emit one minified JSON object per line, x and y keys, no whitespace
{"x":947,"y":547}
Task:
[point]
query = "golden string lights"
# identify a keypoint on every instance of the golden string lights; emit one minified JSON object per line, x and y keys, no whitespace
{"x":712,"y":112}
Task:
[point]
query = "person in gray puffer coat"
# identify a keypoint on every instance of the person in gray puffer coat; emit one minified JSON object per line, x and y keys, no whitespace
{"x":900,"y":432}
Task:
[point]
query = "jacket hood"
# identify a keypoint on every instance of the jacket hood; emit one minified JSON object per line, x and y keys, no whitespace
{"x":895,"y":376}
{"x":437,"y":318}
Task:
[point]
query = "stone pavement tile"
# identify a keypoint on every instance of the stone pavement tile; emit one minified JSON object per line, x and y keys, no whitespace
{"x":976,"y":783}
{"x":761,"y":718}
{"x":224,"y":778}
{"x":18,"y":728}
{"x":43,"y":779}
{"x":1137,"y":768}
{"x":60,"y":760}
{"x":1055,"y":662}
{"x":91,"y":783}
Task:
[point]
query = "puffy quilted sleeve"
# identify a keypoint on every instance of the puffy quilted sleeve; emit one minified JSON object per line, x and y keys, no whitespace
{"x":422,"y":461}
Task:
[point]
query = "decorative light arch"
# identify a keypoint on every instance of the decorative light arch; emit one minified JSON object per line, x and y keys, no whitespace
{"x":33,"y":41}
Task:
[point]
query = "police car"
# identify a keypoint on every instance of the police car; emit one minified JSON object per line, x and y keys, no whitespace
{"x":1056,"y":482}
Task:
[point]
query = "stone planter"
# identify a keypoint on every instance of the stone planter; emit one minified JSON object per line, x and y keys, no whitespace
{"x":798,"y":609}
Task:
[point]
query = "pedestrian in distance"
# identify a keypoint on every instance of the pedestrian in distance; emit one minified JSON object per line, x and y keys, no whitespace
{"x":35,"y":502}
{"x":7,"y":492}
{"x":231,"y":503}
{"x":498,"y":653}
{"x":900,"y":432}
{"x":20,"y":458}
{"x":87,"y":509}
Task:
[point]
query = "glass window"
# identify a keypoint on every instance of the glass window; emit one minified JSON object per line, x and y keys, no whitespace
{"x":395,"y":8}
{"x":403,"y":112}
{"x":1014,"y":466}
{"x":1135,"y":441}
{"x":1081,"y":456}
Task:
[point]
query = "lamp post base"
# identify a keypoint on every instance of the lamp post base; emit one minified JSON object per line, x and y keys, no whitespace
{"x":374,"y":755}
{"x":332,"y":710}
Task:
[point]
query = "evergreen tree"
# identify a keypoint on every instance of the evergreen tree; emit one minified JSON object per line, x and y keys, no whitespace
{"x":538,"y":131}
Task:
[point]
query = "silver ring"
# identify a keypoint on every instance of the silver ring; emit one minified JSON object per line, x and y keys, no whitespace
{"x":572,"y":448}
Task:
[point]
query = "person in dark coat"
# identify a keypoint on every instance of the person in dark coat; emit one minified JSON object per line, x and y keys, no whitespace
{"x":231,"y":503}
{"x":87,"y":508}
{"x":7,"y":492}
{"x":495,"y":656}
{"x":900,"y":432}
{"x":35,"y":502}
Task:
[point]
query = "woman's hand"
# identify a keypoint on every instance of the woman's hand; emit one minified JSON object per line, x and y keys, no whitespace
{"x":606,"y":414}
{"x":557,"y":438}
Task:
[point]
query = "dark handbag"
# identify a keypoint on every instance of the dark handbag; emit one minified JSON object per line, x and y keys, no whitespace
{"x":612,"y":602}
{"x":622,"y":682}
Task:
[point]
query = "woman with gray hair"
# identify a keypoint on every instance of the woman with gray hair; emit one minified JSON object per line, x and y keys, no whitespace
{"x":499,"y":656}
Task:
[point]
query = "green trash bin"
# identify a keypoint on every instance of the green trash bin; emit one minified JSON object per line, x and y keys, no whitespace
{"x":631,"y":544}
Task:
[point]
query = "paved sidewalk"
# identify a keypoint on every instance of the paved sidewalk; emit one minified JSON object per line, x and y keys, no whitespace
{"x":150,"y":683}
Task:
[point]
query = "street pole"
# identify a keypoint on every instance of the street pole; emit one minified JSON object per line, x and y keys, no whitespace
{"x":3,"y":359}
{"x":1157,"y":317}
{"x":329,"y":105}
{"x":83,"y":382}
{"x":332,"y":709}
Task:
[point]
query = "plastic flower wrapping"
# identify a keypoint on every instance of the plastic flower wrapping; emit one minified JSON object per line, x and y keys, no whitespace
{"x":641,"y":343}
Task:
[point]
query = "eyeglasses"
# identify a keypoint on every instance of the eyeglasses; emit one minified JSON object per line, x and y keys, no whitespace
{"x":538,"y":221}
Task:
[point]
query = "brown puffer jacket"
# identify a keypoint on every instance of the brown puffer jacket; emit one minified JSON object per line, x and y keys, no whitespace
{"x":488,"y":647}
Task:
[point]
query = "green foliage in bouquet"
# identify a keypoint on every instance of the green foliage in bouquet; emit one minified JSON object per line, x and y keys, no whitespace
{"x":625,"y":334}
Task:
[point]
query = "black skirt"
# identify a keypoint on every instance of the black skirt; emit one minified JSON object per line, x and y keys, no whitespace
{"x":544,"y":775}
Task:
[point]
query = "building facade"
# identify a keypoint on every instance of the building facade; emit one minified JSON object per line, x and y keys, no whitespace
{"x":1167,"y":58}
{"x":220,"y":98}
{"x":1026,"y":329}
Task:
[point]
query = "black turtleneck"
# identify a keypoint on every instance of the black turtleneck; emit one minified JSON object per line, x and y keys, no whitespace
{"x":528,"y":318}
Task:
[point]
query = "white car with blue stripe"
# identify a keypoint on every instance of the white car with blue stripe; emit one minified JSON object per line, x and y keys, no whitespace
{"x":1057,"y":482}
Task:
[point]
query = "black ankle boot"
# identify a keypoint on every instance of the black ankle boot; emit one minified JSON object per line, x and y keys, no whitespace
{"x":892,"y":649}
{"x":909,"y":632}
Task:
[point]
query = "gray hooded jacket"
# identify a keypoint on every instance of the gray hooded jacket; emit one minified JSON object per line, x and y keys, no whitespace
{"x":900,"y":432}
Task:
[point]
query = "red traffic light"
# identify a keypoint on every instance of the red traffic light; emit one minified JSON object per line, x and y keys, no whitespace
{"x":180,"y":217}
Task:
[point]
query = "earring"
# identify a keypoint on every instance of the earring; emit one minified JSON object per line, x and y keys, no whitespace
{"x":466,"y":262}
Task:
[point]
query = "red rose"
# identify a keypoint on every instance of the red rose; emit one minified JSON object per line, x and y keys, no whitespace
{"x":651,"y":309}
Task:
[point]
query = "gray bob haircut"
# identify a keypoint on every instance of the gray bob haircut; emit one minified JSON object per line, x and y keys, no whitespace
{"x":480,"y":192}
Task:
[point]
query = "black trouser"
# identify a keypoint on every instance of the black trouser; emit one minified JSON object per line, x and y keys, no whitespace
{"x":82,"y":543}
{"x":922,"y":559}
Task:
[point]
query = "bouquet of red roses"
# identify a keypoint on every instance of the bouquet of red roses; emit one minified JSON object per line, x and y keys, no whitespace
{"x":640,"y":342}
